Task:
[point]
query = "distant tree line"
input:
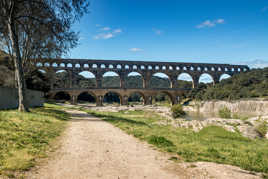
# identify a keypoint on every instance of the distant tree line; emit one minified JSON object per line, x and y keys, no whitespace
{"x":252,"y":84}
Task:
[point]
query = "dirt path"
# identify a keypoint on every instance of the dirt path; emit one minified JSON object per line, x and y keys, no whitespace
{"x":92,"y":148}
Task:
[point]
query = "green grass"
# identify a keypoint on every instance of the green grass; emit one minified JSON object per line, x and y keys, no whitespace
{"x":262,"y":128}
{"x":211,"y":144}
{"x":25,"y":137}
{"x":225,"y":113}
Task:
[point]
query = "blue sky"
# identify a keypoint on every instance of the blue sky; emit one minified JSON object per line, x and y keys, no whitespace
{"x":210,"y":31}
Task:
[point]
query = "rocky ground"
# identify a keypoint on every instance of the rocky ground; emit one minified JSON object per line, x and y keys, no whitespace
{"x":247,"y":127}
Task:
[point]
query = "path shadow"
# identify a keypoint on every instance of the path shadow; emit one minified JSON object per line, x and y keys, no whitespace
{"x":110,"y":118}
{"x":58,"y":114}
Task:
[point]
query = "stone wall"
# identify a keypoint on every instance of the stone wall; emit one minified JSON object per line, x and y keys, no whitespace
{"x":9,"y":98}
{"x":243,"y":107}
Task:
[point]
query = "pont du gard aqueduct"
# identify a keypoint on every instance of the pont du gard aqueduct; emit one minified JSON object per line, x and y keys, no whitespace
{"x":123,"y":68}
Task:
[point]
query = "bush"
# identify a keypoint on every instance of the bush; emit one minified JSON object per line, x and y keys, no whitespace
{"x":225,"y":113}
{"x":160,"y":141}
{"x":177,"y":111}
{"x":262,"y":129}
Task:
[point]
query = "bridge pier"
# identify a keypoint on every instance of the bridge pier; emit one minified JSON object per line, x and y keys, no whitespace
{"x":148,"y":100}
{"x":99,"y":100}
{"x":74,"y":99}
{"x":124,"y":100}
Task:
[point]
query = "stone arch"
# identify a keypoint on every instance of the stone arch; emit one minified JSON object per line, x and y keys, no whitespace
{"x":87,"y":96}
{"x":62,"y":95}
{"x":185,"y":80}
{"x":61,"y":79}
{"x":85,"y":65}
{"x":118,"y":66}
{"x":112,"y":97}
{"x":164,"y":98}
{"x":46,"y":64}
{"x":136,"y":97}
{"x":87,"y":79}
{"x":160,"y":80}
{"x":111,"y":79}
{"x":39,"y":64}
{"x":225,"y":76}
{"x":55,"y":65}
{"x":127,"y":67}
{"x":62,"y":65}
{"x":206,"y":78}
{"x":134,"y":67}
{"x":134,"y":80}
{"x":42,"y":71}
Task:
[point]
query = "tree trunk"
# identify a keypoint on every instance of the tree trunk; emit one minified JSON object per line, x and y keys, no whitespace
{"x":18,"y":66}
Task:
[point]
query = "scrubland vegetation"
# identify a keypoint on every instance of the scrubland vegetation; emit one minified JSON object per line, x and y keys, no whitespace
{"x":177,"y":111}
{"x":252,"y":84}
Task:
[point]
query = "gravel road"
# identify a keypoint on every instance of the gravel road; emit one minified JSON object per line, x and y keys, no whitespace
{"x":92,"y":148}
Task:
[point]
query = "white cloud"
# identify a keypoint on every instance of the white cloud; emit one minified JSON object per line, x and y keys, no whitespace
{"x":106,"y":28}
{"x":157,"y":31}
{"x":135,"y":49}
{"x":110,"y":33}
{"x":104,"y":36}
{"x":118,"y":31}
{"x":209,"y":23}
{"x":108,"y":36}
{"x":220,"y":21}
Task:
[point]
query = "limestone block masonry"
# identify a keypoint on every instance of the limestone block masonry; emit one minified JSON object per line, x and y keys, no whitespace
{"x":9,"y":98}
{"x":123,"y":67}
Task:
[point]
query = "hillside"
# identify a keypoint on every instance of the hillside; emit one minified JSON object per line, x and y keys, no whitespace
{"x":252,"y":84}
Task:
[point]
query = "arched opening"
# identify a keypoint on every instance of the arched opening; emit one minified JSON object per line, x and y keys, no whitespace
{"x":47,"y":64}
{"x":111,"y":80}
{"x":206,"y":79}
{"x":86,"y":79}
{"x":112,"y":98}
{"x":162,"y":99}
{"x":185,"y":81}
{"x":136,"y":98}
{"x":42,"y":71}
{"x":54,"y":64}
{"x":86,"y":97}
{"x":134,"y":80}
{"x":160,"y":80}
{"x":38,"y":79}
{"x":62,"y":65}
{"x":61,"y":79}
{"x":224,"y":77}
{"x":62,"y":96}
{"x":39,"y":64}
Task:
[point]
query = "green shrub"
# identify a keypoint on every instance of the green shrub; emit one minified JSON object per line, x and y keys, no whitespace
{"x":262,"y":129}
{"x":177,"y":111}
{"x":225,"y":113}
{"x":160,"y":141}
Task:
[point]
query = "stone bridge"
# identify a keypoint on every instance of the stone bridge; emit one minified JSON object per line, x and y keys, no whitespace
{"x":123,"y":68}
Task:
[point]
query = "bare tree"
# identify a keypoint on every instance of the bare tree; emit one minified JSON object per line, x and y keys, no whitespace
{"x":31,"y":29}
